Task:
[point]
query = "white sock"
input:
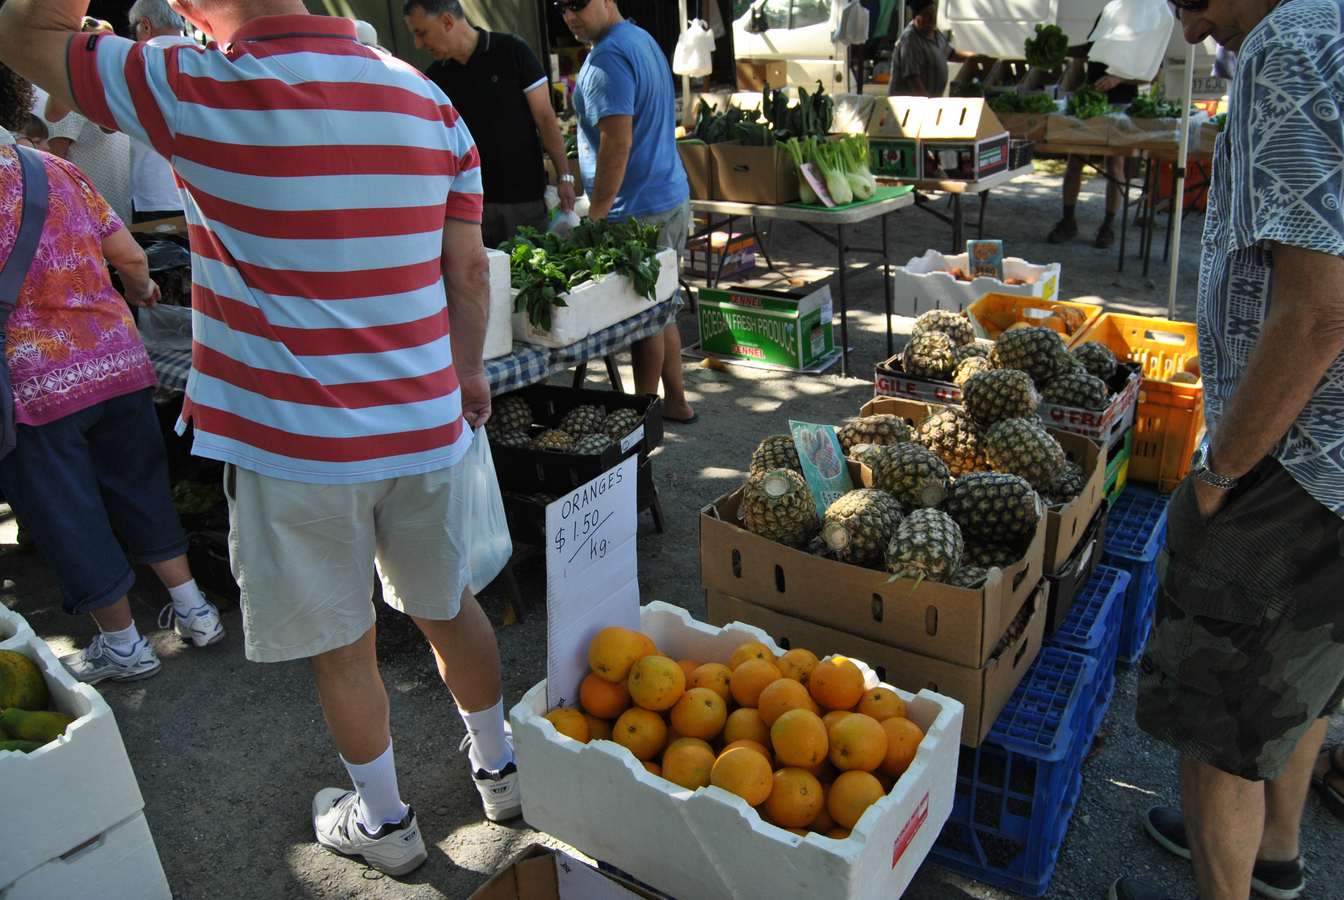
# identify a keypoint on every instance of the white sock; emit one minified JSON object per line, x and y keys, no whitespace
{"x":186,"y":597}
{"x":122,"y":642}
{"x":376,"y":784}
{"x":489,"y":748}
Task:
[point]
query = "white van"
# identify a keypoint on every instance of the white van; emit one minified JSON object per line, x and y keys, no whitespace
{"x":799,"y":34}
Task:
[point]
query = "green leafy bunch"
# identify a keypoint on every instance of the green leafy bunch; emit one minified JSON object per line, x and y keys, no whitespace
{"x":1048,"y":48}
{"x":1022,"y":103}
{"x":811,"y":115}
{"x":545,"y":266}
{"x":1154,"y":105}
{"x":1085,"y":103}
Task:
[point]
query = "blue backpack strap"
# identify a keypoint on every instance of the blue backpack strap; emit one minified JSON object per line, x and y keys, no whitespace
{"x":15,"y":271}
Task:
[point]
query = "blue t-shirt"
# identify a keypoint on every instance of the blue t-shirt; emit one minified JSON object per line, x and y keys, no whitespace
{"x":626,"y":74}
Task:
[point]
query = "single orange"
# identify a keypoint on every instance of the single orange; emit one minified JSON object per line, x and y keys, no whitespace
{"x":838,"y":834}
{"x":654,"y":768}
{"x":746,"y":725}
{"x":743,"y":772}
{"x":648,"y":647}
{"x":851,"y":794}
{"x":687,"y":763}
{"x":834,"y":716}
{"x":602,"y":698}
{"x":569,"y":722}
{"x":750,"y":745}
{"x":750,"y":678}
{"x":641,"y":732}
{"x":797,"y":664}
{"x":823,"y":822}
{"x":836,"y":683}
{"x":857,"y":742}
{"x":613,"y":651}
{"x":795,"y":799}
{"x":598,"y":729}
{"x":881,"y":703}
{"x":700,"y":713}
{"x":903,"y":737}
{"x":782,"y":695}
{"x":749,"y":650}
{"x":715,"y":676}
{"x":655,"y":682}
{"x":799,"y":738}
{"x":688,"y":666}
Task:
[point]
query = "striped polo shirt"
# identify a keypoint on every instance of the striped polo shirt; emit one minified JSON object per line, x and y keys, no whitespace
{"x":318,"y":174}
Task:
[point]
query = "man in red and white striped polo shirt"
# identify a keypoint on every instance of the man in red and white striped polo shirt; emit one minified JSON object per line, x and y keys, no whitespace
{"x":333,"y":198}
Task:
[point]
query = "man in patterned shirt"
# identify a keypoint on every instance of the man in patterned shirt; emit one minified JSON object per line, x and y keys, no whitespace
{"x":1246,"y":661}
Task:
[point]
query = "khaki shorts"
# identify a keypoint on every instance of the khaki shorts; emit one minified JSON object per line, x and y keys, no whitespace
{"x":305,"y":555}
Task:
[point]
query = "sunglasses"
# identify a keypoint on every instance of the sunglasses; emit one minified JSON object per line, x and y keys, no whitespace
{"x":574,"y":6}
{"x":1180,"y":6}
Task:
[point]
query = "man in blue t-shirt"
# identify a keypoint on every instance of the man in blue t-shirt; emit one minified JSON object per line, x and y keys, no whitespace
{"x":629,"y":162}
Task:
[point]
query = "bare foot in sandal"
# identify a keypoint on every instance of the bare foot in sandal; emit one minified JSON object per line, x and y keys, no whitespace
{"x":1328,"y":778}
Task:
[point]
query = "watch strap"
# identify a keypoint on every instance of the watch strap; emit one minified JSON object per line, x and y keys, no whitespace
{"x":1213,"y":479}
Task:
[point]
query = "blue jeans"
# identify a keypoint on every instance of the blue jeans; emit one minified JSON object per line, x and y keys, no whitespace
{"x":79,"y":482}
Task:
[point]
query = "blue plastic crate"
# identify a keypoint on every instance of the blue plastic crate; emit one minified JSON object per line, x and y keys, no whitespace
{"x":1016,"y":792}
{"x":1134,"y":536}
{"x":1093,"y":628}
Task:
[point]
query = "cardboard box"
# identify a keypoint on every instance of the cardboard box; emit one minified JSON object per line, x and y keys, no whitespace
{"x":927,"y":281}
{"x":698,"y":162}
{"x":545,"y":873}
{"x":720,"y":255}
{"x":962,"y":139}
{"x":1065,"y":129}
{"x":977,"y":68}
{"x":982,"y":690}
{"x":774,"y":327}
{"x":893,"y":136}
{"x":757,"y":74}
{"x":120,"y":862}
{"x":595,"y":305}
{"x":1102,"y":426}
{"x":708,"y":844}
{"x":955,"y":624}
{"x":763,"y":175}
{"x":1026,"y":126}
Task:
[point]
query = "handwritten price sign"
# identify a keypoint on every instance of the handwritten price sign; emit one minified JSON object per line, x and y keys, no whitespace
{"x":591,"y":574}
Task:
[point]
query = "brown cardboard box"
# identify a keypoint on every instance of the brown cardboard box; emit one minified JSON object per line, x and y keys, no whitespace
{"x":1026,"y":126}
{"x":754,"y":174}
{"x":544,"y":873}
{"x":967,"y":128}
{"x":897,"y":117}
{"x":699,"y":164}
{"x":754,"y":75}
{"x":983,"y":690}
{"x":944,"y":622}
{"x":1065,"y":129}
{"x":1065,"y":525}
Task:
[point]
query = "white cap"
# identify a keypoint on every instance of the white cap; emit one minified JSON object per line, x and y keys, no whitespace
{"x":366,"y":33}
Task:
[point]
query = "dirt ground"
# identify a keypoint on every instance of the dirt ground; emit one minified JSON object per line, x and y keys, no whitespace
{"x":229,"y":753}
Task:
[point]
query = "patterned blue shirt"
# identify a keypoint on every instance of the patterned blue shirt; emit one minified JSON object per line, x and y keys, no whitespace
{"x":1278,"y":176}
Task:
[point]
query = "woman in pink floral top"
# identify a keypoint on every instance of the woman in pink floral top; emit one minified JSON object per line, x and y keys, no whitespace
{"x":89,"y":462}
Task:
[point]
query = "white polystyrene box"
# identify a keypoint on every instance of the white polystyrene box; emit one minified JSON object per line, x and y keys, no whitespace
{"x":708,"y":843}
{"x":499,"y":328}
{"x":927,"y":281}
{"x":73,"y":788}
{"x":14,"y":628}
{"x":119,"y":864}
{"x":595,"y":305}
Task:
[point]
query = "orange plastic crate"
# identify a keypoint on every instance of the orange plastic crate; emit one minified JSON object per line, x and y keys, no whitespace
{"x":994,"y":312}
{"x":1169,"y":422}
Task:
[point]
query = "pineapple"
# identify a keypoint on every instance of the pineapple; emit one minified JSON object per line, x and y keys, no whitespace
{"x":954,"y":325}
{"x":999,"y":394}
{"x":510,"y":413}
{"x":553,"y":439}
{"x":776,"y":452}
{"x":879,"y":429}
{"x":912,"y":474}
{"x":514,"y":439}
{"x":583,"y":420}
{"x":1085,"y":391}
{"x":592,"y":444}
{"x":1036,"y":351}
{"x":1096,"y":358}
{"x":620,"y":422}
{"x":777,"y":505}
{"x":1070,"y":365}
{"x":927,"y":544}
{"x":1067,"y":484}
{"x":930,"y":354}
{"x":858,"y":526}
{"x":969,"y":368}
{"x":954,"y":438}
{"x":973,"y":349}
{"x":990,"y":555}
{"x":1022,"y":447}
{"x":970,"y":577}
{"x":994,"y":506}
{"x":867,"y":454}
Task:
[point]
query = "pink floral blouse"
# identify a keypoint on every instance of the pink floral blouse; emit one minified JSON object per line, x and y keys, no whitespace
{"x":71,"y":341}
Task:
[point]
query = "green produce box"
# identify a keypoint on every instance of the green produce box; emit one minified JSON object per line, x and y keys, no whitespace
{"x":773,"y":327}
{"x":894,"y":157}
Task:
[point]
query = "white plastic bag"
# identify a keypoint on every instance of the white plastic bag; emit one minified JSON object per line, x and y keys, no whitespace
{"x":165,"y":327}
{"x":486,"y":530}
{"x":853,"y":26}
{"x":1131,"y":38}
{"x":695,"y":50}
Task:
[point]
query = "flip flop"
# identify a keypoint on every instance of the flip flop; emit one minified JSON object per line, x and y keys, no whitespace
{"x":695,"y":417}
{"x":1320,"y":778}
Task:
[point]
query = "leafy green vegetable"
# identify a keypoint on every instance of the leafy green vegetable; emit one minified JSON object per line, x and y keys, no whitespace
{"x":1085,"y":103}
{"x":1023,"y":103}
{"x":1154,"y":105}
{"x":811,"y":115}
{"x":544,"y":266}
{"x":842,"y":163}
{"x":1048,"y":48}
{"x":971,"y":88}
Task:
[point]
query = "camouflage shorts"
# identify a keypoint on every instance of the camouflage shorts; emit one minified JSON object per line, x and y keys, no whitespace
{"x":1248,"y":645}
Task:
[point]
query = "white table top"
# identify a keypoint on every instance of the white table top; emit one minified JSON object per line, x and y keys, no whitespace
{"x":816,"y":216}
{"x":953,"y":186}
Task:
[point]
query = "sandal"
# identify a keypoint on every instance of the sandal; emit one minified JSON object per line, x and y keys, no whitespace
{"x":1328,"y":778}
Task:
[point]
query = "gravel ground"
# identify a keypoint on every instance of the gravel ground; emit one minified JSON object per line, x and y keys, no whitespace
{"x":228,"y":754}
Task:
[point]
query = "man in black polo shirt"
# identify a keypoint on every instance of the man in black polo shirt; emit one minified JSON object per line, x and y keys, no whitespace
{"x":499,"y":88}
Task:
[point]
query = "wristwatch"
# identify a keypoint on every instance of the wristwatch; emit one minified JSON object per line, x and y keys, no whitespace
{"x":566,"y":178}
{"x":1208,"y":476}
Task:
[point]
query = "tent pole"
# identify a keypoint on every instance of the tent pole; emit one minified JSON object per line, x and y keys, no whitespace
{"x":685,"y":79}
{"x":1178,"y":198}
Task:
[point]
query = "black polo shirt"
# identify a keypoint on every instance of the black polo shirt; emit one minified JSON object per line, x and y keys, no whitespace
{"x":489,"y":92}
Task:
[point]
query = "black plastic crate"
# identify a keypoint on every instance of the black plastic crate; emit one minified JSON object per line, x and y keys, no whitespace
{"x":526,"y":513}
{"x":1075,"y":572}
{"x":1020,"y":153}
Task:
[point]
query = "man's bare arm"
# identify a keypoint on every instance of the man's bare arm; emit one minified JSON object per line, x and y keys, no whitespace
{"x":539,"y":102}
{"x":1301,"y":337}
{"x":34,"y":35}
{"x":466,"y":280}
{"x":612,"y":155}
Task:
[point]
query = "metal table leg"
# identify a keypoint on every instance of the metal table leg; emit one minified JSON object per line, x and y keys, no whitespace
{"x":958,"y":238}
{"x":1171,"y":215}
{"x":980,"y":226}
{"x":1149,"y":212}
{"x":1124,"y":212}
{"x":886,"y":283}
{"x":844,"y":299}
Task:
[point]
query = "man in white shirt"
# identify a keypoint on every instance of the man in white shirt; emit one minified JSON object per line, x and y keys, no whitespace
{"x":154,"y":192}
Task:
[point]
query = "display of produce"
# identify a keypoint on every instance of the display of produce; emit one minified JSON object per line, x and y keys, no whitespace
{"x":999,"y":394}
{"x":777,"y":451}
{"x":811,"y":116}
{"x":1153,"y":105}
{"x":842,"y":163}
{"x":1037,"y":103}
{"x":1085,"y":103}
{"x":882,"y":430}
{"x":930,"y":354}
{"x":927,"y":544}
{"x":859,"y":525}
{"x":912,"y":474}
{"x":777,"y":505}
{"x":1047,"y":48}
{"x":952,"y":435}
{"x":27,"y":719}
{"x":1023,"y":447}
{"x":733,"y":124}
{"x":805,"y":741}
{"x":1077,"y":389}
{"x":955,"y":325}
{"x":1037,"y":351}
{"x":546,"y":266}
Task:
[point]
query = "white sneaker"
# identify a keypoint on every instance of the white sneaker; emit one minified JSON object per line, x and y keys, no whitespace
{"x":201,"y":626}
{"x":99,"y":662}
{"x":500,"y":793}
{"x":393,"y":849}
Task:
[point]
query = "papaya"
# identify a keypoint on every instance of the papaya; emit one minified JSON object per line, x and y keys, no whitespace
{"x":21,"y":683}
{"x":30,"y":725}
{"x":19,"y":746}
